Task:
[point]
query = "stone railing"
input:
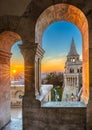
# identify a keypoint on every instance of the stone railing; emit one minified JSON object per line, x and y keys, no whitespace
{"x":45,"y":93}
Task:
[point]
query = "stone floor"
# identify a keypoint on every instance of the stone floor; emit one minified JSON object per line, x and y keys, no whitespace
{"x":16,"y":120}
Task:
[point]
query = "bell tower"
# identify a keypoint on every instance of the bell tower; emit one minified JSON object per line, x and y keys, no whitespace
{"x":73,"y":74}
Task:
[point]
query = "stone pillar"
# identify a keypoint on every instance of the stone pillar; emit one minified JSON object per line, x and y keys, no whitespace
{"x":37,"y":76}
{"x":77,"y":80}
{"x":89,"y":105}
{"x":32,"y":54}
{"x":74,"y":81}
{"x":89,"y":87}
{"x":69,"y":82}
{"x":65,"y":80}
{"x":5,"y":112}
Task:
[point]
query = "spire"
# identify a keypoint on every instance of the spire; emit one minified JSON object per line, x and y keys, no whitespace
{"x":73,"y":51}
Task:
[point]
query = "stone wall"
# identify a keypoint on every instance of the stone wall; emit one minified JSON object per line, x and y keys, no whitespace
{"x":54,"y":118}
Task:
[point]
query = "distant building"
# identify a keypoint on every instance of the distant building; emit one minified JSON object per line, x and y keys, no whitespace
{"x":17,"y":89}
{"x":72,"y":75}
{"x":16,"y":94}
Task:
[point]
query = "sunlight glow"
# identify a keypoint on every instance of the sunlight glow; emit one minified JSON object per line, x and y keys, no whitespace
{"x":14,"y":71}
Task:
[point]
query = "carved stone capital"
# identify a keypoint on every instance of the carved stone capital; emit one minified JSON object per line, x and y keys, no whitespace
{"x":39,"y":51}
{"x":31,"y":50}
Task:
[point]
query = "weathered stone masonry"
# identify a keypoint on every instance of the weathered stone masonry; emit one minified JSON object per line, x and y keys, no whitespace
{"x":21,"y":18}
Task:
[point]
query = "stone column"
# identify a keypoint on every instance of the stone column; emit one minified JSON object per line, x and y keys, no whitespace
{"x":32,"y":54}
{"x":89,"y":105}
{"x":74,"y":81}
{"x":69,"y":82}
{"x":5,"y":112}
{"x":38,"y":58}
{"x":89,"y":87}
{"x":77,"y":80}
{"x":65,"y":80}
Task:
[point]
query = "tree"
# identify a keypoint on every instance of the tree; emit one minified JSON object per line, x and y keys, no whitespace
{"x":55,"y":78}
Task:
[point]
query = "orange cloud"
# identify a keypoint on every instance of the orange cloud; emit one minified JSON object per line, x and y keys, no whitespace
{"x":50,"y":64}
{"x":18,"y":68}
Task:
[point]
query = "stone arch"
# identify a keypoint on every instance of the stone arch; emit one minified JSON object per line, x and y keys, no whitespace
{"x":74,"y":15}
{"x":7,"y":40}
{"x":60,"y":12}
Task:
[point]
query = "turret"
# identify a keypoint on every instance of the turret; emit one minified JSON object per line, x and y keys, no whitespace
{"x":72,"y":55}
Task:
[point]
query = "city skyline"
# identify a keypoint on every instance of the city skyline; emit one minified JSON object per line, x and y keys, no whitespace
{"x":56,"y":42}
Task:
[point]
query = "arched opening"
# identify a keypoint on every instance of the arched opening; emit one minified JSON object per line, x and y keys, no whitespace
{"x":57,"y":66}
{"x":17,"y":75}
{"x":7,"y":40}
{"x":74,"y":15}
{"x":17,"y":83}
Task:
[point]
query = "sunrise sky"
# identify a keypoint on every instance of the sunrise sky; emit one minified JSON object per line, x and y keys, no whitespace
{"x":17,"y":61}
{"x":56,"y":42}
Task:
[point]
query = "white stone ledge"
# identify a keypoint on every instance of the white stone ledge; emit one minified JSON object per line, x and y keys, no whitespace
{"x":64,"y":104}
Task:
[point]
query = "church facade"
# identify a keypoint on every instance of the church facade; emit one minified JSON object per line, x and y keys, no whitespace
{"x":72,"y":75}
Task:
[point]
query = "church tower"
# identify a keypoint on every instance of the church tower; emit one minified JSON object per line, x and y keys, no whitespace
{"x":72,"y":75}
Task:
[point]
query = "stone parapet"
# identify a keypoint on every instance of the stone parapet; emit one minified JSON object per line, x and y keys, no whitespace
{"x":54,"y":119}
